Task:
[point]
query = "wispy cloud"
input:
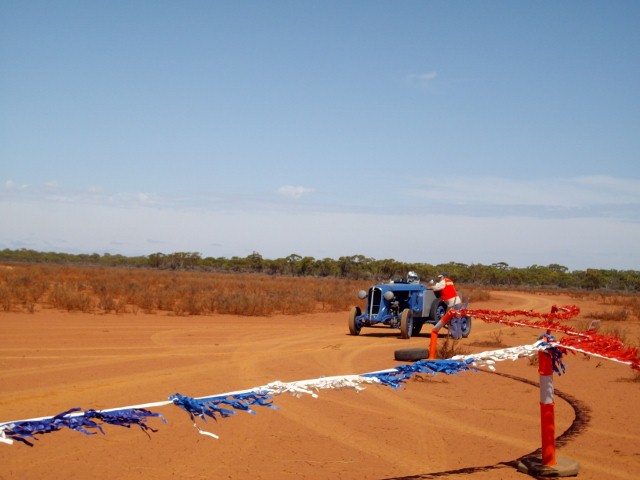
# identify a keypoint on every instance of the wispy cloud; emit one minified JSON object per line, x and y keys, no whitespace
{"x":496,"y":197}
{"x":568,"y":192}
{"x":53,"y":191}
{"x":296,"y":192}
{"x":422,"y":78}
{"x":11,"y":185}
{"x":585,"y":195}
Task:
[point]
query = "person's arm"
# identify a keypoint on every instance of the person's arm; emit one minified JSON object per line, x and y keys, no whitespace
{"x":438,"y":286}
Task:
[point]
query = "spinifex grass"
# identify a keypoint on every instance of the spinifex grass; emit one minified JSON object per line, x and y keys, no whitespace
{"x":122,"y":290}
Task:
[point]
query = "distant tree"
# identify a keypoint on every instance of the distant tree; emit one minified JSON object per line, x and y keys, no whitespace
{"x":293,"y":262}
{"x":500,"y":265}
{"x":256,"y":262}
{"x":353,"y":267}
{"x":156,"y":259}
{"x":327,"y":267}
{"x":554,"y":267}
{"x":279,"y":266}
{"x":385,"y":269}
{"x":306,"y":266}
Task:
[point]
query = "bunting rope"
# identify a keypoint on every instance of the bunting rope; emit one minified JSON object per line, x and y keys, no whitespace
{"x":589,"y":343}
{"x":221,"y":405}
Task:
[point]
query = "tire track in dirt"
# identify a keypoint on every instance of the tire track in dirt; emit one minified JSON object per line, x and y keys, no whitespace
{"x":521,"y":301}
{"x":580,"y":424}
{"x":380,"y":402}
{"x":429,"y":410}
{"x":380,"y":433}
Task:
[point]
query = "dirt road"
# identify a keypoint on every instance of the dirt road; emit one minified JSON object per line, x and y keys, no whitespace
{"x":470,"y":426}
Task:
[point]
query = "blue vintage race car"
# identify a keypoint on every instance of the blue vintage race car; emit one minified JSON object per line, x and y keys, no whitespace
{"x":406,"y":305}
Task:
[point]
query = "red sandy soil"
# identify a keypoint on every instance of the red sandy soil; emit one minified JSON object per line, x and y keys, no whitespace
{"x":475,"y":425}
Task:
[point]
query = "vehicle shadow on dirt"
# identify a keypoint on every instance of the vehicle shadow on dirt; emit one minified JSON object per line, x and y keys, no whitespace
{"x":386,"y":333}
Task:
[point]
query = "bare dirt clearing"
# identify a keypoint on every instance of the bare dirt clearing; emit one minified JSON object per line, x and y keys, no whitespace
{"x":467,"y":426}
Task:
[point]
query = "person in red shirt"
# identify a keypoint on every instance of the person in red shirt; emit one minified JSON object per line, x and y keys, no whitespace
{"x":447,"y":290}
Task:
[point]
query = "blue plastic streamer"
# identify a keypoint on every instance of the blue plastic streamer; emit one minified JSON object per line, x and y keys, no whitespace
{"x":210,"y":406}
{"x":554,"y":352}
{"x":243,"y":401}
{"x":194,"y":407}
{"x":23,"y":431}
{"x":402,"y":373}
{"x":126,"y":417}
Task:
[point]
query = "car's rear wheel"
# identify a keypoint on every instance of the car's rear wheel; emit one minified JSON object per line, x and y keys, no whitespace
{"x":406,"y":323}
{"x":354,"y":324}
{"x":438,"y":309}
{"x":465,"y":326}
{"x":417,"y":327}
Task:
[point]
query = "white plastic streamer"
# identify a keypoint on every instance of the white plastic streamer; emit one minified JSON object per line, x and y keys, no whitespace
{"x":489,"y":359}
{"x":3,"y":437}
{"x":310,"y":387}
{"x":204,"y":432}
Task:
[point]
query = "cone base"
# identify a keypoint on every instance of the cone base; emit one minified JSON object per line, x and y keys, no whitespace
{"x":564,"y":467}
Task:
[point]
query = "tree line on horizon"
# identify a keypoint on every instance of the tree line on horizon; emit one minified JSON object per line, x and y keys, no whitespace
{"x":354,"y":267}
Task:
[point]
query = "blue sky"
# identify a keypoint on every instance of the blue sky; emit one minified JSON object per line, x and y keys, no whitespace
{"x":424,"y":131}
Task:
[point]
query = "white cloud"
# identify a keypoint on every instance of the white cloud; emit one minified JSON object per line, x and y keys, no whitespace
{"x":11,"y":185}
{"x":424,"y":78}
{"x":572,"y":192}
{"x":294,"y":191}
{"x":496,"y":219}
{"x":146,"y":198}
{"x":577,"y":243}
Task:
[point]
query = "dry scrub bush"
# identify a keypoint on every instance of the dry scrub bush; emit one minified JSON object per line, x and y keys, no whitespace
{"x":494,"y":341}
{"x":450,"y":348}
{"x":474,"y":294}
{"x":6,"y":299}
{"x":20,"y":289}
{"x":108,"y":304}
{"x":118,"y":290}
{"x":584,"y":324}
{"x":629,"y":303}
{"x":616,"y":331}
{"x":70,"y":298}
{"x":617,"y":315}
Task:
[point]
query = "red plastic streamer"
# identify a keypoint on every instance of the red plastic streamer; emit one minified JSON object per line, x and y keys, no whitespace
{"x":588,"y":342}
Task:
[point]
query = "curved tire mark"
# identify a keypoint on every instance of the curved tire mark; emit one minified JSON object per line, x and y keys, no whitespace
{"x":580,"y":423}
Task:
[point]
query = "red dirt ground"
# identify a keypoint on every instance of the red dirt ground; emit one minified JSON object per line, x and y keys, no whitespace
{"x":471,"y":426}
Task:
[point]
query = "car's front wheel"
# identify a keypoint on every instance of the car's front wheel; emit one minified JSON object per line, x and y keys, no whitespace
{"x":406,"y":323}
{"x":354,"y":324}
